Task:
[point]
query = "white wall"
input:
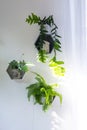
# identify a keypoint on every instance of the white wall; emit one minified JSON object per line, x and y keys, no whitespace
{"x":17,"y":38}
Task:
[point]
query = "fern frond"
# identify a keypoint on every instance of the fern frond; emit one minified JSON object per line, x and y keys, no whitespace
{"x":33,"y":19}
{"x":42,"y":56}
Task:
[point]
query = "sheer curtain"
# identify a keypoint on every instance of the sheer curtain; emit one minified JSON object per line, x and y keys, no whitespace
{"x":75,"y":32}
{"x":75,"y":50}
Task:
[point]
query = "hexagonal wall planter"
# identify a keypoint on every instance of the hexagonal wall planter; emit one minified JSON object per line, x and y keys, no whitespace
{"x":47,"y":45}
{"x":16,"y":70}
{"x":15,"y":73}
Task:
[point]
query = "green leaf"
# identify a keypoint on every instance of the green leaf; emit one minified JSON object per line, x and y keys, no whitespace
{"x":60,"y":62}
{"x":56,"y":67}
{"x":56,"y":46}
{"x":58,"y":36}
{"x":58,"y":70}
{"x":56,"y":40}
{"x":42,"y":56}
{"x":40,"y":77}
{"x":53,"y":33}
{"x":52,"y":64}
{"x":54,"y":29}
{"x":54,"y":85}
{"x":25,"y":68}
{"x":59,"y":95}
{"x":31,"y":89}
{"x":33,"y":19}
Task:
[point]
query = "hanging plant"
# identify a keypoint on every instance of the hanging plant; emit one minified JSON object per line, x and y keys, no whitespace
{"x":43,"y":93}
{"x":47,"y":41}
{"x":17,"y":69}
{"x":47,"y":36}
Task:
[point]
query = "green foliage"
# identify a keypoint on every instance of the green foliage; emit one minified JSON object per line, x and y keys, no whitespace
{"x":34,"y":19}
{"x":42,"y":56}
{"x":42,"y":92}
{"x":21,"y":65}
{"x":57,"y":46}
{"x":57,"y":67}
{"x":57,"y":43}
{"x":47,"y":20}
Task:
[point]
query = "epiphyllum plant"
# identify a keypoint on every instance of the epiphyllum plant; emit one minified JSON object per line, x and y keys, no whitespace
{"x":47,"y":36}
{"x":42,"y":92}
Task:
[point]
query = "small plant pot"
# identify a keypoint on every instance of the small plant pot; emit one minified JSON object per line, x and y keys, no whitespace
{"x":15,"y":73}
{"x":43,"y":100}
{"x":47,"y":45}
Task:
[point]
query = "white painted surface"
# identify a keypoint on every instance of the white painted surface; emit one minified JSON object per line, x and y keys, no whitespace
{"x":18,"y":38}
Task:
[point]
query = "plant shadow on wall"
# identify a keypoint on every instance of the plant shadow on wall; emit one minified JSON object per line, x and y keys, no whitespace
{"x":47,"y":41}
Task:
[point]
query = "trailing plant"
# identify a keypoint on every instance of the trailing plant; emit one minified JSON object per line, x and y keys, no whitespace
{"x":42,"y":56}
{"x":34,"y":19}
{"x":42,"y":92}
{"x":54,"y":64}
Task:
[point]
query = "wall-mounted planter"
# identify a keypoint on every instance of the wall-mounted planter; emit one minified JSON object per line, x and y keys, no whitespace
{"x":15,"y":73}
{"x":16,"y":70}
{"x":47,"y":45}
{"x":48,"y":39}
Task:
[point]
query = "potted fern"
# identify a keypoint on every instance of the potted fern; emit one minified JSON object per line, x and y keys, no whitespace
{"x":43,"y":93}
{"x":17,"y":69}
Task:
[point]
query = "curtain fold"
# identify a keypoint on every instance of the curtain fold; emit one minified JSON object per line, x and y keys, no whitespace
{"x":75,"y":33}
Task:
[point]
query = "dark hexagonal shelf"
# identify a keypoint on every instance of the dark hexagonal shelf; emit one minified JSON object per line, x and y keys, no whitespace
{"x":48,"y":43}
{"x":15,"y":73}
{"x":17,"y":69}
